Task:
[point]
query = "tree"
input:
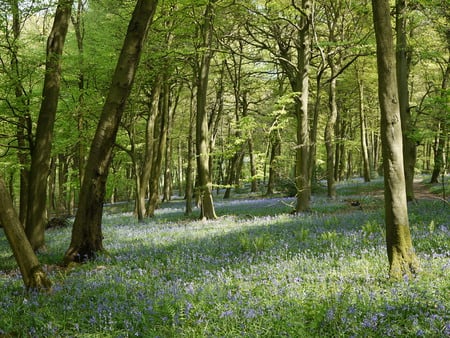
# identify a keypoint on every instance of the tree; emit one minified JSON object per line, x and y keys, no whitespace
{"x":41,"y":151}
{"x":33,"y":276}
{"x":202,"y":128}
{"x":402,"y":259}
{"x":403,"y":60}
{"x":87,"y":236}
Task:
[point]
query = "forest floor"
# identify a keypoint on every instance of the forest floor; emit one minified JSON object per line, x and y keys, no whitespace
{"x":256,"y":271}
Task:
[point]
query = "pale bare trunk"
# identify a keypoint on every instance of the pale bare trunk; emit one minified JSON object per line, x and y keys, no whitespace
{"x":401,"y":255}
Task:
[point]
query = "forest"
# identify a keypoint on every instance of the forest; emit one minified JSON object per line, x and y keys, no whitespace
{"x":214,"y":164}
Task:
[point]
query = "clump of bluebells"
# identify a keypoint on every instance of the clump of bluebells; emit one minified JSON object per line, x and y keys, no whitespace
{"x":257,"y":271}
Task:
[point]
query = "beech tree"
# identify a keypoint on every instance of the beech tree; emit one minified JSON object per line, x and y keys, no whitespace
{"x":33,"y":275}
{"x":87,"y":238}
{"x":41,"y":151}
{"x":202,"y":127}
{"x":401,"y":255}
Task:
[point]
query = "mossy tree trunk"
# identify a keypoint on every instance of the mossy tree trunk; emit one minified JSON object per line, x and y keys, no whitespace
{"x":33,"y":276}
{"x":402,"y":259}
{"x":87,"y":238}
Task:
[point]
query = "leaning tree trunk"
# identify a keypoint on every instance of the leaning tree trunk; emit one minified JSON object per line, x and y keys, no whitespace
{"x":41,"y":151}
{"x":402,"y":259}
{"x":32,"y":274}
{"x":87,"y":236}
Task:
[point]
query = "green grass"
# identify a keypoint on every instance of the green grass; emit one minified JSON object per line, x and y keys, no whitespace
{"x":255,"y":272}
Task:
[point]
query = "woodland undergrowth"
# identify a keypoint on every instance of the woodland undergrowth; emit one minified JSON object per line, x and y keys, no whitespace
{"x":256,"y":271}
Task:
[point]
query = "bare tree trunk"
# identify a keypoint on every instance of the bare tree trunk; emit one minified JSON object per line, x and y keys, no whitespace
{"x":32,"y":274}
{"x":442,"y":136}
{"x":160,"y":148}
{"x":403,"y":60}
{"x":87,"y":238}
{"x":24,"y":126}
{"x":303,"y":178}
{"x":401,"y":255}
{"x":189,"y":191}
{"x":202,"y":130}
{"x":329,"y":133}
{"x":41,"y":151}
{"x":363,"y":133}
{"x":78,"y":24}
{"x":146,"y":168}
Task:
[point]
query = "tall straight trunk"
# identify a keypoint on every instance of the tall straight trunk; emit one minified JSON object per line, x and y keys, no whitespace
{"x":401,"y":255}
{"x":77,"y":22}
{"x":363,"y":133}
{"x":87,"y":238}
{"x":403,"y":61}
{"x":329,"y":133}
{"x":189,"y":190}
{"x":202,"y":129}
{"x":41,"y":151}
{"x":32,"y":274}
{"x":24,"y":126}
{"x":254,"y":183}
{"x":275,"y":151}
{"x":160,"y":149}
{"x":442,"y":136}
{"x":303,"y":178}
{"x":146,"y":167}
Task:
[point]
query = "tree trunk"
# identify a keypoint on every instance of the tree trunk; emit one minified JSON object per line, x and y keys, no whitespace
{"x":87,"y":236}
{"x":329,"y":133}
{"x":32,"y":274}
{"x":202,"y":130}
{"x":41,"y":151}
{"x":275,"y":151}
{"x":303,"y":178}
{"x":363,"y":134}
{"x":189,"y":190}
{"x":24,"y":126}
{"x":77,"y":22}
{"x":402,"y":259}
{"x":442,"y":122}
{"x":403,"y":60}
{"x":158,"y":154}
{"x":146,"y":168}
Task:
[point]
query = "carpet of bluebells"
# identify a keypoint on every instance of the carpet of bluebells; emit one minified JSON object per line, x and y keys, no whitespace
{"x":257,"y":271}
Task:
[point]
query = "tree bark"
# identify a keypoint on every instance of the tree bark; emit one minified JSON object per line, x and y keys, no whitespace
{"x":401,"y":255}
{"x":442,"y":122}
{"x":87,"y":237}
{"x":363,"y":133}
{"x":329,"y":133}
{"x":159,"y":151}
{"x":33,"y":276}
{"x":403,"y":61}
{"x":41,"y":151}
{"x":303,"y":178}
{"x":146,"y":168}
{"x":202,"y":129}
